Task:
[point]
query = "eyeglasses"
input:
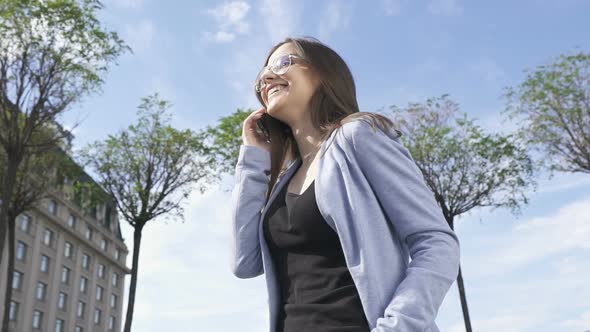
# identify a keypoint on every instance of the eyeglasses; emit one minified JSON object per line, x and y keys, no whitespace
{"x":280,"y":66}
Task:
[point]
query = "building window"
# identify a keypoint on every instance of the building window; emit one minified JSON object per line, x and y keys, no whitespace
{"x":44,"y":263}
{"x":80,"y":310}
{"x":115,"y":280}
{"x":37,"y":319}
{"x":41,"y":290}
{"x":47,"y":237}
{"x":113,"y":301}
{"x":104,"y":244}
{"x":83,"y":284}
{"x":25,"y":223}
{"x":78,"y":329}
{"x":62,"y":299}
{"x":97,"y":315}
{"x":59,"y":325}
{"x":52,"y":207}
{"x":13,"y":312}
{"x":117,"y":254}
{"x":68,"y":250}
{"x":21,"y":251}
{"x":108,"y":216}
{"x":17,"y":280}
{"x":65,"y":275}
{"x":99,"y":293}
{"x":88,"y":233}
{"x":72,"y":220}
{"x":93,"y":211}
{"x":100,"y":271}
{"x":86,"y":261}
{"x":112,"y":323}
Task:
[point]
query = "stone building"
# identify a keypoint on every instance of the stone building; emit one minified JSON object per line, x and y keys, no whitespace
{"x":70,"y":267}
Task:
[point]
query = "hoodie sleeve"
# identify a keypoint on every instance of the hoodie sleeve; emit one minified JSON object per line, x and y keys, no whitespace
{"x":248,"y":198}
{"x":410,"y":206}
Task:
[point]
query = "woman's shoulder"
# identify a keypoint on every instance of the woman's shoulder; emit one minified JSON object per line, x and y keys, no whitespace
{"x":367,"y":127}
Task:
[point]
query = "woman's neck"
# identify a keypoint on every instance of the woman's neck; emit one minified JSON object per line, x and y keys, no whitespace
{"x":308,"y":141}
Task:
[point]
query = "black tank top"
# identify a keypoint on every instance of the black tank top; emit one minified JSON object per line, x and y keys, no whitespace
{"x":317,"y":290}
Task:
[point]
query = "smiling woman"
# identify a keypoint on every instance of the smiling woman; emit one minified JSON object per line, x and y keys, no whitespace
{"x":340,"y":194}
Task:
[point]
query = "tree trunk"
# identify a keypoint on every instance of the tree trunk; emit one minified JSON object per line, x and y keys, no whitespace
{"x":6,"y":198}
{"x":134,"y":269}
{"x":9,"y":272}
{"x":463,"y":302}
{"x":461,"y":287}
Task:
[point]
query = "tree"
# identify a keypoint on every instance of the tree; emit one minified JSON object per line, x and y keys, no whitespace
{"x":223,"y":141}
{"x":148,"y":169}
{"x":463,"y":166}
{"x":553,"y":106}
{"x":52,"y":53}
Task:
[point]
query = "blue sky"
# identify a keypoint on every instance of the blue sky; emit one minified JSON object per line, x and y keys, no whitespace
{"x":522,"y":274}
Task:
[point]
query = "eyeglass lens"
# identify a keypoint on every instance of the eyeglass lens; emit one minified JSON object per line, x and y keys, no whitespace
{"x":279,"y":67}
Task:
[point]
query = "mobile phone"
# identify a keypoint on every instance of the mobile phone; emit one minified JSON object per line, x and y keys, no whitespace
{"x":262,"y":124}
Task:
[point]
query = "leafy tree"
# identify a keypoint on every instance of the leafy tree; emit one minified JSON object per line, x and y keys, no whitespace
{"x":223,"y":140}
{"x":149,"y":169}
{"x":52,"y":53}
{"x":553,"y":106}
{"x":465,"y":167}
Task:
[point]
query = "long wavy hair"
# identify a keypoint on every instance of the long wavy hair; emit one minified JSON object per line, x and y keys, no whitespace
{"x":333,"y":104}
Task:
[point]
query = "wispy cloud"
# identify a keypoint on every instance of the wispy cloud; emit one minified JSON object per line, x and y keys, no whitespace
{"x":539,"y":238}
{"x":282,"y":18}
{"x":194,"y":256}
{"x":524,"y":295}
{"x":335,"y":18}
{"x":445,"y":7}
{"x":231,"y":21}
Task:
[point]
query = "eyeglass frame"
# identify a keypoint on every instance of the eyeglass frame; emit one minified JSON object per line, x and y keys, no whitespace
{"x":263,"y":70}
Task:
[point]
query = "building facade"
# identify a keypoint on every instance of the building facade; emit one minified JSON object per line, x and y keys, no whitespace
{"x":70,"y":267}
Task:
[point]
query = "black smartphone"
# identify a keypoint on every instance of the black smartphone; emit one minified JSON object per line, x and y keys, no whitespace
{"x":262,"y":124}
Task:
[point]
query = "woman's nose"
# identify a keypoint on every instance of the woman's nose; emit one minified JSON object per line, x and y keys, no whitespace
{"x":267,"y":75}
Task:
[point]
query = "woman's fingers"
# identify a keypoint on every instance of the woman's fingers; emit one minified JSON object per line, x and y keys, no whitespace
{"x":250,"y":136}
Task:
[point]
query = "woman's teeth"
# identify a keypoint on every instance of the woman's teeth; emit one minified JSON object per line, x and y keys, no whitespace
{"x":275,"y":89}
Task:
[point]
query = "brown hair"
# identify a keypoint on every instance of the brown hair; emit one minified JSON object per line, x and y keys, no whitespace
{"x":332,"y":105}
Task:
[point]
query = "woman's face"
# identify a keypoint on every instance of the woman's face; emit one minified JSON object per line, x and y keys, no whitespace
{"x":286,"y":96}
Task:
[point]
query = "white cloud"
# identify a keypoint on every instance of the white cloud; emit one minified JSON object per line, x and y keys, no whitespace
{"x":524,"y":295}
{"x":231,"y":21}
{"x":562,"y":182}
{"x":538,"y":238}
{"x":139,"y":36}
{"x":281,"y":18}
{"x":219,"y":36}
{"x":335,"y":18}
{"x":185,"y":276}
{"x":445,"y":7}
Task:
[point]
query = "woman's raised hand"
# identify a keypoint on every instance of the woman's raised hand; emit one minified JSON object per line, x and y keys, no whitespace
{"x":249,"y":134}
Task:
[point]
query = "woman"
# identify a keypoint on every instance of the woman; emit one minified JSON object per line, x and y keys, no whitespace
{"x":331,"y":207}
